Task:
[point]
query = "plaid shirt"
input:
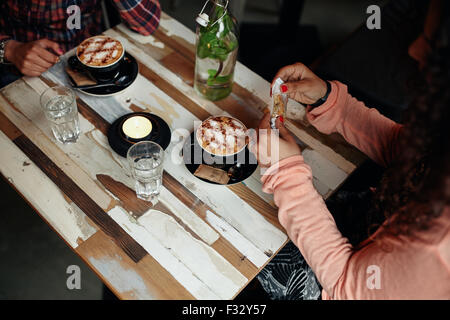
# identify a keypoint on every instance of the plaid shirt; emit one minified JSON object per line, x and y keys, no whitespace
{"x":29,"y":20}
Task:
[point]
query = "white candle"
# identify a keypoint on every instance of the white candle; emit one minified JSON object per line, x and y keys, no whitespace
{"x":137,"y":127}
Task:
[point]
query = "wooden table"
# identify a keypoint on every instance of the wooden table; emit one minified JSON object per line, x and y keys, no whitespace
{"x":201,"y":241}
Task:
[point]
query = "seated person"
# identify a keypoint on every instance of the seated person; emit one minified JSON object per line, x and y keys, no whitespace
{"x":34,"y":33}
{"x":408,"y":254}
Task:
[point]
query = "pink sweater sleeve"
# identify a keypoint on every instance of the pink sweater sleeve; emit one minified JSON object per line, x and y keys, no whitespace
{"x":405,"y":268}
{"x":366,"y":129}
{"x":343,"y":271}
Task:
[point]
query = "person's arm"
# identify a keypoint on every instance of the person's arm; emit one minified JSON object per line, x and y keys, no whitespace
{"x":368,"y":130}
{"x":141,"y":16}
{"x":388,"y":270}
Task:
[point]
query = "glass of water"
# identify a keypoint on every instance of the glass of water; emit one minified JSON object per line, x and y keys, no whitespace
{"x":60,"y":108}
{"x":146,"y":160}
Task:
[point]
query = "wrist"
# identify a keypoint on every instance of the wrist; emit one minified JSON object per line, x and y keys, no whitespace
{"x":324,"y":98}
{"x":10,"y":48}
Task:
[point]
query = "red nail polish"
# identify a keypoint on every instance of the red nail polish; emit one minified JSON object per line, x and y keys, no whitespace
{"x":284,"y":88}
{"x":281,"y":119}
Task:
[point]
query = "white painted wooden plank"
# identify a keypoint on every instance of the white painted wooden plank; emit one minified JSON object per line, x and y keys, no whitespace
{"x":67,"y":219}
{"x":163,"y":255}
{"x":194,"y":222}
{"x":124,"y":280}
{"x":140,"y":38}
{"x":204,"y":262}
{"x":92,"y":158}
{"x":324,"y":170}
{"x":237,"y":240}
{"x":51,"y":149}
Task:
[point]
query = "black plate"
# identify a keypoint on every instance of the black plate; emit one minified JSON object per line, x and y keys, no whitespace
{"x":239,"y":167}
{"x":128,"y":66}
{"x":160,"y":134}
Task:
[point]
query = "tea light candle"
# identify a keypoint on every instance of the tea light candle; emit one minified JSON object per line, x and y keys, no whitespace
{"x":137,"y":127}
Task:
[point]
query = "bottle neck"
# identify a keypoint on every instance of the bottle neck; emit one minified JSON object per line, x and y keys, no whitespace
{"x":223,"y":3}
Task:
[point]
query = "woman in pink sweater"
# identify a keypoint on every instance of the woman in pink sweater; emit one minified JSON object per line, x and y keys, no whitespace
{"x":408,"y":256}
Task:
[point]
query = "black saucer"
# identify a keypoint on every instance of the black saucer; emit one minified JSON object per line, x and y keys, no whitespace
{"x":128,"y":67}
{"x":120,"y":143}
{"x":239,"y":166}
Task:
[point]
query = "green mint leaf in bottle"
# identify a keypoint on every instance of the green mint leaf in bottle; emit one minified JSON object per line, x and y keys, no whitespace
{"x":216,"y":54}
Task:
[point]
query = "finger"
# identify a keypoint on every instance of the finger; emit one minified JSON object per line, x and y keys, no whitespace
{"x":46,"y":55}
{"x":265,"y":121}
{"x":33,"y":66}
{"x":47,"y":44}
{"x":296,"y":86}
{"x":293,"y":72}
{"x":253,"y":145}
{"x":284,"y":73}
{"x":36,"y":59}
{"x":31,"y":73}
{"x":284,"y":133}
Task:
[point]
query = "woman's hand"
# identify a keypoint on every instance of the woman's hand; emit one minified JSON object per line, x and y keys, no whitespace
{"x":269,"y":147}
{"x":32,"y":58}
{"x":301,"y":84}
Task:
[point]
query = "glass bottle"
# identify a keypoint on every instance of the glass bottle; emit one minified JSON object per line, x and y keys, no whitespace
{"x":216,"y":50}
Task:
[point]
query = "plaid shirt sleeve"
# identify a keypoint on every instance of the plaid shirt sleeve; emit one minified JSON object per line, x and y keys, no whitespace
{"x":141,"y":16}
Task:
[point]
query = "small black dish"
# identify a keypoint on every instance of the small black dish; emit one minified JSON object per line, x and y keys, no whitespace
{"x":120,"y":143}
{"x":239,"y":166}
{"x":127,"y":71}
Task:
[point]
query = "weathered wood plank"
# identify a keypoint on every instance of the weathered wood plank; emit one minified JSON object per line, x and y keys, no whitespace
{"x":163,"y":255}
{"x":13,"y":114}
{"x":81,"y":199}
{"x":204,"y":262}
{"x":8,"y":128}
{"x":63,"y":216}
{"x":168,"y":202}
{"x":146,"y":279}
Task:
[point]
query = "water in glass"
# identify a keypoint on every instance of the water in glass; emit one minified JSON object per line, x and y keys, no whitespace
{"x":146,"y":162}
{"x":60,"y":109}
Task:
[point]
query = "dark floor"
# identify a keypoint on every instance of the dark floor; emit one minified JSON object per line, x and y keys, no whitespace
{"x":34,"y":259}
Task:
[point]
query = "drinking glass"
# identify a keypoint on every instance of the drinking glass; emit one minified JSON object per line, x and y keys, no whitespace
{"x":146,"y":160}
{"x":60,"y":108}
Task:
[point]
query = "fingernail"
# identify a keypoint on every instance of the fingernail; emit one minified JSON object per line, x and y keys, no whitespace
{"x":284,"y":88}
{"x":281,"y":119}
{"x":270,"y":91}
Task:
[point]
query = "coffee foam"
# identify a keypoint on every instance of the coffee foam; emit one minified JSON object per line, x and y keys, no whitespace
{"x":222,"y":135}
{"x":99,"y":51}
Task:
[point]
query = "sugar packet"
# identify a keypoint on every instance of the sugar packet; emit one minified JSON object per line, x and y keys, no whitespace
{"x":279,"y":103}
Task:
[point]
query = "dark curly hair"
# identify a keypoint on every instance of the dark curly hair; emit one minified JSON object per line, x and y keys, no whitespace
{"x":416,"y":188}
